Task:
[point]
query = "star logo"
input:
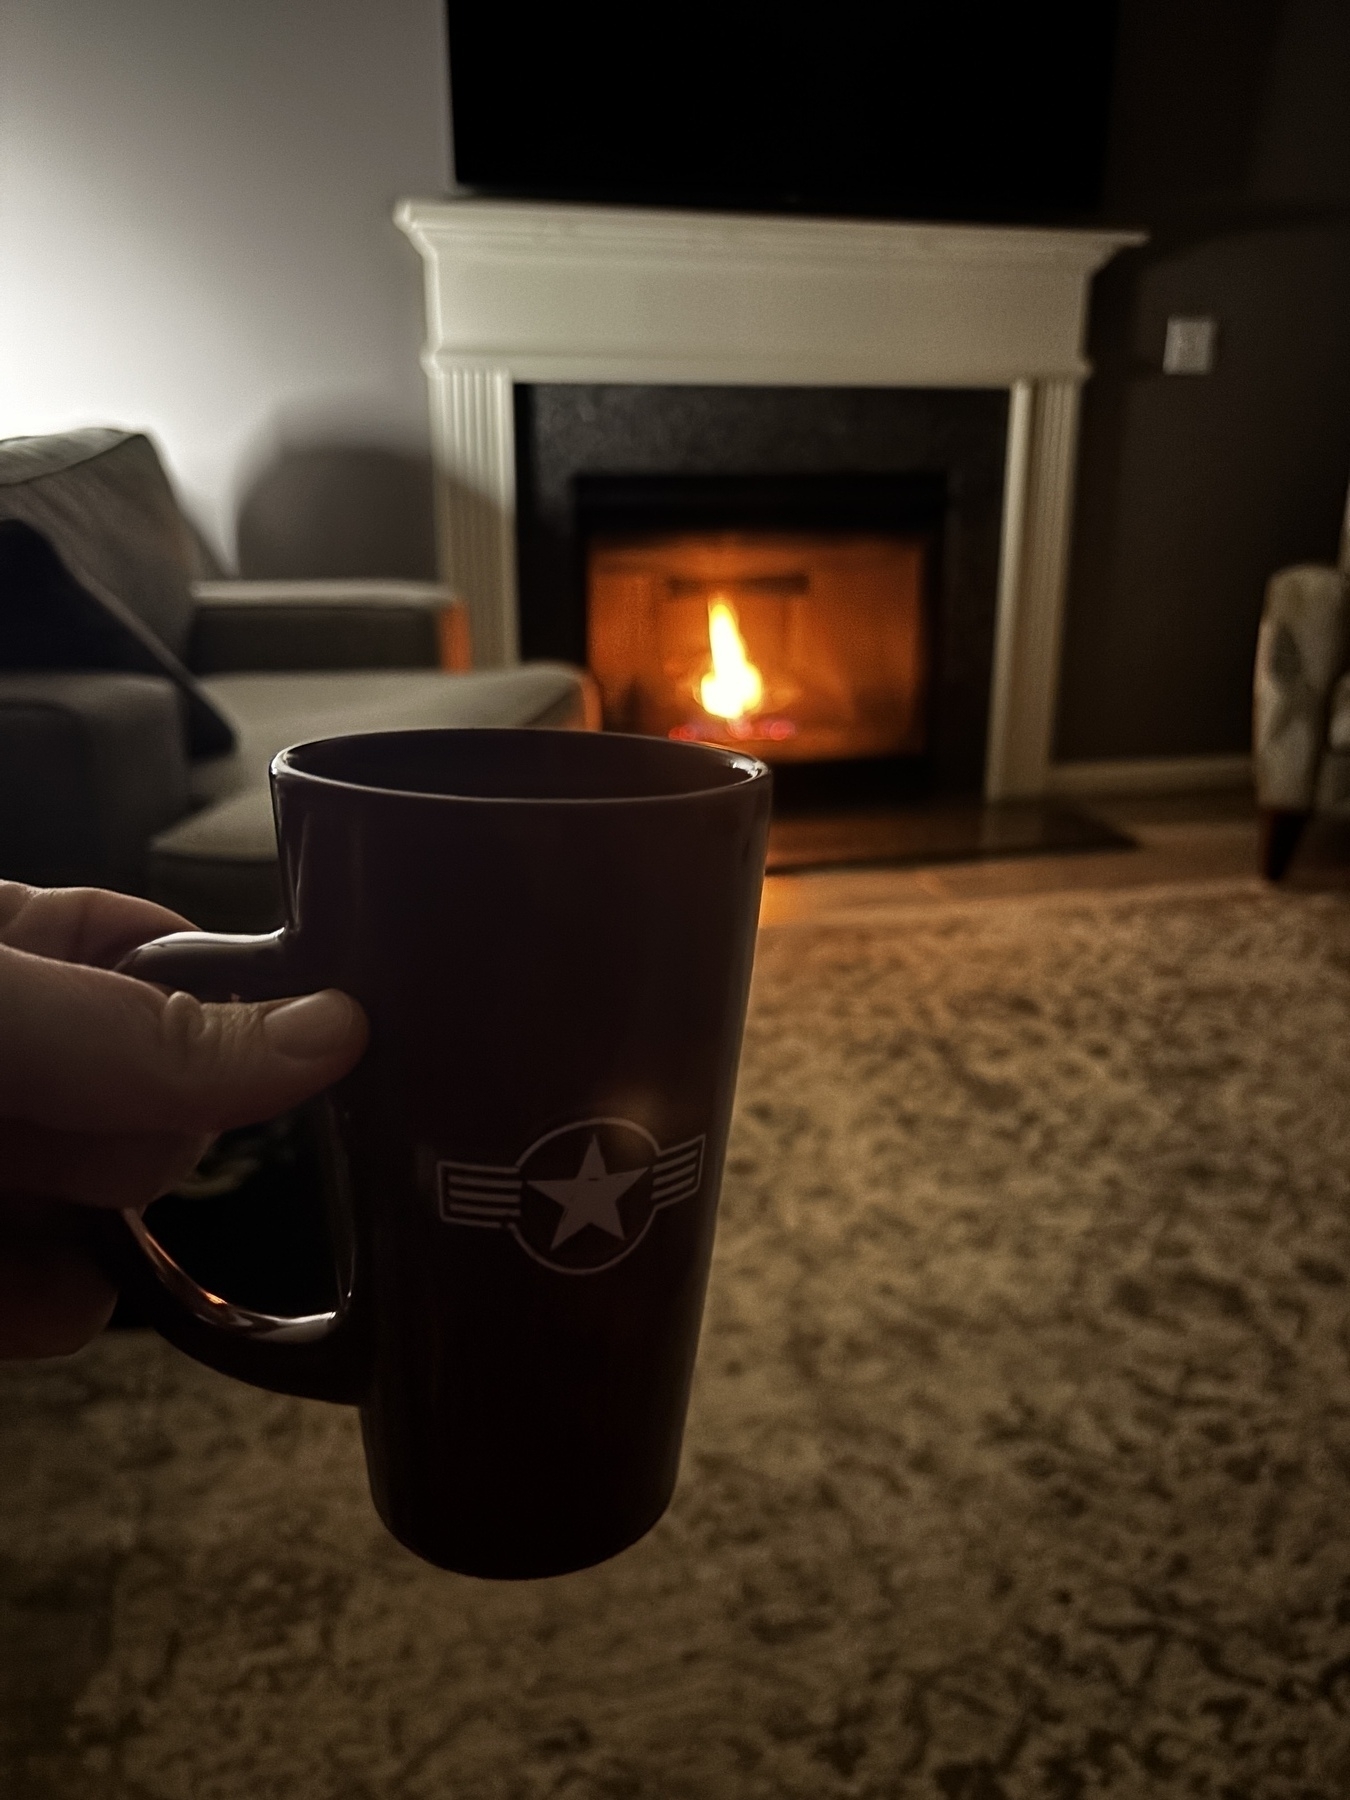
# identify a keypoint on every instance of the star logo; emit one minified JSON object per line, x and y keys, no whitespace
{"x":591,"y":1197}
{"x":580,"y":1198}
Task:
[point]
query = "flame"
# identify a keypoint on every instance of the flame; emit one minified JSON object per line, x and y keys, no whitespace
{"x":733,"y":686}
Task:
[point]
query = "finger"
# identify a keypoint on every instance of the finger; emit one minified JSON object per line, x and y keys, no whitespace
{"x":83,"y":925}
{"x":88,"y":1050}
{"x":52,"y":1297}
{"x":52,"y":1302}
{"x":95,"y":1168}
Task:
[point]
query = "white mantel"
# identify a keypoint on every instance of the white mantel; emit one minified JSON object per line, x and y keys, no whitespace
{"x":518,"y":292}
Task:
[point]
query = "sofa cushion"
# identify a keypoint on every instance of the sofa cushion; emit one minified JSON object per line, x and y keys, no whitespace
{"x":272,"y":711}
{"x":113,"y":592}
{"x":103,"y":499}
{"x":93,"y":765}
{"x":50,"y":620}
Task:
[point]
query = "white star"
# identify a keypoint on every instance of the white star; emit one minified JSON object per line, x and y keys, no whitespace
{"x":591,"y":1197}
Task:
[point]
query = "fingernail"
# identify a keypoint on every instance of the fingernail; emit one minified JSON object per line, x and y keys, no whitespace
{"x":310,"y":1027}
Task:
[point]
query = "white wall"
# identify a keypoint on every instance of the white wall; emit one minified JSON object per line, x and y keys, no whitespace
{"x":195,"y":233}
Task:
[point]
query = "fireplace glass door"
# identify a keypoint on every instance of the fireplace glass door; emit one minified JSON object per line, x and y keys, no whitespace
{"x":796,"y":646}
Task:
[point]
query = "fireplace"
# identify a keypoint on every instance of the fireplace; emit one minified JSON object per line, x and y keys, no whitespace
{"x":842,"y":543}
{"x":789,"y":615}
{"x":795,"y":646}
{"x":528,"y":305}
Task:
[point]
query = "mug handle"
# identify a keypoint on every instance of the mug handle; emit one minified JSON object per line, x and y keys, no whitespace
{"x":314,"y":1357}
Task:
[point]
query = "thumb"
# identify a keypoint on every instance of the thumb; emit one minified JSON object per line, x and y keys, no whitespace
{"x":88,"y":1050}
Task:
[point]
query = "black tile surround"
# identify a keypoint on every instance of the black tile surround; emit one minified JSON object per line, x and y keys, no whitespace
{"x":567,"y":431}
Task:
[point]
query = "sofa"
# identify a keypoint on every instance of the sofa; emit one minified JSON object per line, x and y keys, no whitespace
{"x":1301,"y":704}
{"x":142,"y":696}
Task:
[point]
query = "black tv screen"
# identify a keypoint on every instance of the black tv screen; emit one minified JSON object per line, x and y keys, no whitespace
{"x":980,"y":112}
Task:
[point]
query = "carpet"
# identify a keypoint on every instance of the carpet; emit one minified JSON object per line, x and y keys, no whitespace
{"x":1018,"y":1464}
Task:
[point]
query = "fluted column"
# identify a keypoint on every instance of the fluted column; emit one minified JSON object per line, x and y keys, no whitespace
{"x":1037,"y":522}
{"x":473,"y":437}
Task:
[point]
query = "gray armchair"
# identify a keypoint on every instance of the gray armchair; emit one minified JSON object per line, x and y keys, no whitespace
{"x":140,"y":705}
{"x":1301,"y":704}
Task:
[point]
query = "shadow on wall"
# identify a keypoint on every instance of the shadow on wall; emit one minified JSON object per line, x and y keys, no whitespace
{"x":335,"y":510}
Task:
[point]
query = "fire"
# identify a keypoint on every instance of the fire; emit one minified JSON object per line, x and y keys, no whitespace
{"x":733,"y":686}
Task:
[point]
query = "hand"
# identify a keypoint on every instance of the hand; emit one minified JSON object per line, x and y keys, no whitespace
{"x":111,"y":1090}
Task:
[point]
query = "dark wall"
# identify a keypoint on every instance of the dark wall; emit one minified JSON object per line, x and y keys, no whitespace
{"x":1231,"y":145}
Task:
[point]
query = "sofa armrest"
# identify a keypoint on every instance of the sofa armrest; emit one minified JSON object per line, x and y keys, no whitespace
{"x":1301,"y":649}
{"x":92,"y":765}
{"x":247,"y":626}
{"x":1332,"y":794}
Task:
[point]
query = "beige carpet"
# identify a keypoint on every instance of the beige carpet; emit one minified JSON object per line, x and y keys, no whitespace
{"x":1019,"y":1462}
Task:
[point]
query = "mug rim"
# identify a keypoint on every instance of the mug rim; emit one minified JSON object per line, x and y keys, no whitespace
{"x":752,"y":769}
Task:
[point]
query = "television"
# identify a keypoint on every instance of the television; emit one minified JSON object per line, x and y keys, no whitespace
{"x":963,"y":112}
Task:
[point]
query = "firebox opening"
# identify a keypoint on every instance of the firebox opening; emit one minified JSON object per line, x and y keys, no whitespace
{"x":799,"y":647}
{"x":790,"y":618}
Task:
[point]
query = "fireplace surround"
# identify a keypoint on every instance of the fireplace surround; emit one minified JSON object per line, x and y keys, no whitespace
{"x":564,"y":296}
{"x":919,"y":469}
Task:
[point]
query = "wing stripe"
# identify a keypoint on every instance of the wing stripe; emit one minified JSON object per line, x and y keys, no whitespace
{"x":477,"y":1194}
{"x":678,"y":1172}
{"x":690,"y":1172}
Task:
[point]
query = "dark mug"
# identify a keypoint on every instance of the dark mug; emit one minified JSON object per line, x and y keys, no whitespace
{"x":551,"y":934}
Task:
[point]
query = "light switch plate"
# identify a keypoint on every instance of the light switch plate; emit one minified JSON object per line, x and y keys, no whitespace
{"x":1189,"y":346}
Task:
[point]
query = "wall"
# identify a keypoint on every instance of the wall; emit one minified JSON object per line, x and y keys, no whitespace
{"x":1231,"y":144}
{"x":195,"y":237}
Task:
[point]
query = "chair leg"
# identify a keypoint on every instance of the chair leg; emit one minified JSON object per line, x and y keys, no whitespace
{"x":1281,"y":829}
